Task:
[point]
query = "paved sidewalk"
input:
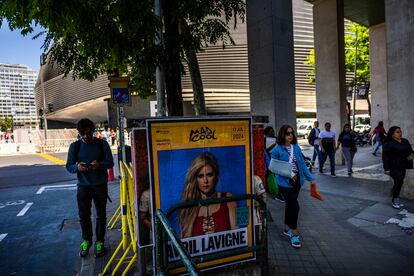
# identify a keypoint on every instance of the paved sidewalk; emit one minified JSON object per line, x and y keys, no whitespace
{"x":346,"y":234}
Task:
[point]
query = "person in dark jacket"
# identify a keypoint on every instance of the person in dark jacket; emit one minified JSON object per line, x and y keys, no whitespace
{"x":347,"y":141}
{"x":395,"y":159}
{"x":90,"y":158}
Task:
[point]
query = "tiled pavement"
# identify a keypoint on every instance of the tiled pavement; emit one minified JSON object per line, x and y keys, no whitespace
{"x":345,"y":234}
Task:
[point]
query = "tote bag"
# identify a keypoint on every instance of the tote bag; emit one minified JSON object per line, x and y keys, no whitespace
{"x":282,"y":168}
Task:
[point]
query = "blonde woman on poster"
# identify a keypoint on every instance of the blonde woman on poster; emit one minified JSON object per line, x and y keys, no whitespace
{"x":200,"y":183}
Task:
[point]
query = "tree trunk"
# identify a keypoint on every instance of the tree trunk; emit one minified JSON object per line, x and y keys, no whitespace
{"x":172,"y":63}
{"x":197,"y":83}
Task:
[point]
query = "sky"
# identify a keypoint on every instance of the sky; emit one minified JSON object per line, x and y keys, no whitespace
{"x":18,"y":49}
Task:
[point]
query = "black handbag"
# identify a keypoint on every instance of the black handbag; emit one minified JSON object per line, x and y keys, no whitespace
{"x":409,"y":164}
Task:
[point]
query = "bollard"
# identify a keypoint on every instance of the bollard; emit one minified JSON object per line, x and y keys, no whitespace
{"x":111,"y":174}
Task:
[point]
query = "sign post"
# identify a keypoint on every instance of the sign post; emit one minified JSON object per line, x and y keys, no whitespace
{"x":120,"y":97}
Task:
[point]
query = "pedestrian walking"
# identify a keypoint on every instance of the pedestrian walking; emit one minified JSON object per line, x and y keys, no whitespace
{"x":270,"y":138}
{"x":395,"y":158}
{"x":313,"y":140}
{"x":327,"y":145}
{"x":270,"y":143}
{"x":379,"y":135}
{"x":289,"y":151}
{"x":346,"y":140}
{"x":90,"y":158}
{"x":113,"y":137}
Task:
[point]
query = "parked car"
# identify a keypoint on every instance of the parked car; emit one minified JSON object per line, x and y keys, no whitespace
{"x":362,"y":128}
{"x":304,"y":129}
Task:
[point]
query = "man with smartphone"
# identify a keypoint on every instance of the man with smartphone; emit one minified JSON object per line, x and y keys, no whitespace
{"x":90,"y":158}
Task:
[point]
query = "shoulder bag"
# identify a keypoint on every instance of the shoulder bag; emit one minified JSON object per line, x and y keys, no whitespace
{"x":282,"y":168}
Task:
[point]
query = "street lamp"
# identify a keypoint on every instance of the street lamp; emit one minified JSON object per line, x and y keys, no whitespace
{"x":355,"y":79}
{"x":43,"y":62}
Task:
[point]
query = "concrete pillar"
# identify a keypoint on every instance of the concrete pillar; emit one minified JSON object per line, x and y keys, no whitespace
{"x":399,"y":22}
{"x":271,"y":61}
{"x":378,"y":63}
{"x":328,"y":25}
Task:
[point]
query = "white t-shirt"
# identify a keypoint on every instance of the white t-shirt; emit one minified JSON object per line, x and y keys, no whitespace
{"x":270,"y":141}
{"x":144,"y":203}
{"x":328,"y":138}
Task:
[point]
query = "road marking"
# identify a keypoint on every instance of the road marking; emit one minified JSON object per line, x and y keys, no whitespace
{"x":56,"y":187}
{"x":53,"y":159}
{"x":11,"y":203}
{"x":2,"y":236}
{"x":24,"y":210}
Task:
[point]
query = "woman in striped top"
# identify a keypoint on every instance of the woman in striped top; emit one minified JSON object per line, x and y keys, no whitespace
{"x":288,"y":150}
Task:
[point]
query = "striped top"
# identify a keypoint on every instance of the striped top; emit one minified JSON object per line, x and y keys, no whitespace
{"x":294,"y":161}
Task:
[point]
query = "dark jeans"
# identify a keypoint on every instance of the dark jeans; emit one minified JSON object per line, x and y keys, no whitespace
{"x":398,"y":176}
{"x":99,"y":195}
{"x":291,"y":204}
{"x":324,"y":155}
{"x":316,"y":153}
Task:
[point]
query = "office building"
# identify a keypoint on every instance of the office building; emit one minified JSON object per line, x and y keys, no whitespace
{"x":17,"y":99}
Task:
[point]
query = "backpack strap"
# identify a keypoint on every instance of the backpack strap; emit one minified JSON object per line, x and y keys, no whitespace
{"x":77,"y":149}
{"x":100,"y":143}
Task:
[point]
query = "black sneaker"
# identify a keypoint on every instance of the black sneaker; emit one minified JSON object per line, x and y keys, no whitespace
{"x":84,"y":248}
{"x":99,"y":249}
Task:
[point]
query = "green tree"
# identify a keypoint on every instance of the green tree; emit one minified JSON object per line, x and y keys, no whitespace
{"x":206,"y":23}
{"x":117,"y":37}
{"x":350,"y":51}
{"x":6,"y":123}
{"x":357,"y":35}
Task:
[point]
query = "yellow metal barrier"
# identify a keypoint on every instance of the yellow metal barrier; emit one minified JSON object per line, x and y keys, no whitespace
{"x":115,"y":218}
{"x":128,"y":245}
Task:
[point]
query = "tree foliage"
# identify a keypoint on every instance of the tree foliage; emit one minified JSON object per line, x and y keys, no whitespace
{"x":93,"y":37}
{"x":6,"y":123}
{"x":206,"y":23}
{"x":358,"y":36}
{"x":363,"y":63}
{"x":90,"y":38}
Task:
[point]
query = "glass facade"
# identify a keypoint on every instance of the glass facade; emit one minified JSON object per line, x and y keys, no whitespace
{"x":17,"y":99}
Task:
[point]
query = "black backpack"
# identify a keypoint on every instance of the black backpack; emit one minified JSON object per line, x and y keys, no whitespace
{"x":311,"y":137}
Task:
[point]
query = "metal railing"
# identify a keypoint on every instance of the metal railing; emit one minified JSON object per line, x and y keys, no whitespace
{"x":127,"y":248}
{"x":164,"y":231}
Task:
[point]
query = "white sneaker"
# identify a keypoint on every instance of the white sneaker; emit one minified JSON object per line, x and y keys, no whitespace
{"x":397,"y":200}
{"x":395,"y":204}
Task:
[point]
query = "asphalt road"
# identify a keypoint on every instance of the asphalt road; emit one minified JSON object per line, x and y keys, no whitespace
{"x":39,"y":229}
{"x":31,"y":170}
